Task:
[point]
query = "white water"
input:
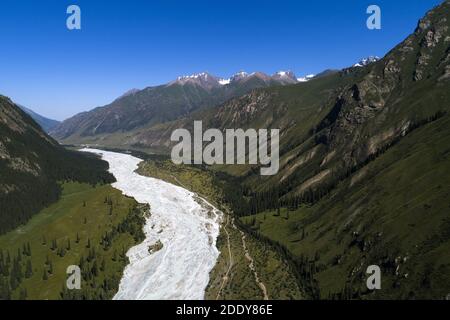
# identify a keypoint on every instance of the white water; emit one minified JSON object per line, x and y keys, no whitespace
{"x":187,"y":230}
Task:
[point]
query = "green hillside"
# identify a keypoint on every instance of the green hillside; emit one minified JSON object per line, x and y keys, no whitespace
{"x":364,"y":170}
{"x":32,"y":164}
{"x":91,"y":227}
{"x":394,"y":212}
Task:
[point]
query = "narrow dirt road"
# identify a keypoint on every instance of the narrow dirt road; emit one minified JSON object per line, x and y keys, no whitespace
{"x":230,"y":255}
{"x":252,"y":265}
{"x":230,"y":263}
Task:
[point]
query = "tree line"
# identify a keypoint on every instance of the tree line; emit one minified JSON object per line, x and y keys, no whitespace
{"x":30,"y":175}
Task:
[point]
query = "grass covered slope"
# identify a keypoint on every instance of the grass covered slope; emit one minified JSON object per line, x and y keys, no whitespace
{"x":393,"y":212}
{"x":32,"y":163}
{"x":91,"y":227}
{"x":273,"y":271}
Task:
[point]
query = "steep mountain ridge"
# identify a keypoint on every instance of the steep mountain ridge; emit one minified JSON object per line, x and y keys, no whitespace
{"x":331,"y":124}
{"x":364,"y":170}
{"x":45,"y":123}
{"x":32,"y":164}
{"x":160,"y":104}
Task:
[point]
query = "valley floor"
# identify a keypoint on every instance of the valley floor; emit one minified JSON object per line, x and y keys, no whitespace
{"x":246,"y":268}
{"x":179,"y":249}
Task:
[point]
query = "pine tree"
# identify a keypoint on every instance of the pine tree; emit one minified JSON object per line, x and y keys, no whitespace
{"x":95,"y":268}
{"x":62,"y":252}
{"x":103,"y":265}
{"x":81,"y":264}
{"x":29,"y":269}
{"x":13,"y":283}
{"x":54,"y":245}
{"x":23,"y":294}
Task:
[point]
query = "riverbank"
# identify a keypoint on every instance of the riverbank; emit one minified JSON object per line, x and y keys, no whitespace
{"x":233,"y":276}
{"x":185,"y":225}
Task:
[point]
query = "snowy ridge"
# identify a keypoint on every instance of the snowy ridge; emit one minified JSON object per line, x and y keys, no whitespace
{"x":366,"y":61}
{"x":186,"y":225}
{"x":202,"y":75}
{"x":306,"y":78}
{"x":207,"y":80}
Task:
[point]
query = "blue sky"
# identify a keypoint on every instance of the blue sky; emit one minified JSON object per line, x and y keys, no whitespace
{"x":140,"y":43}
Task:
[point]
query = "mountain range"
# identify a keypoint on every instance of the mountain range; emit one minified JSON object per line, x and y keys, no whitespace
{"x":130,"y":118}
{"x":155,"y":105}
{"x":46,"y":124}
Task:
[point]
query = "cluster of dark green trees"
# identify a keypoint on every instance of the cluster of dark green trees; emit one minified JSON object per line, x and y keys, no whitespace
{"x":245,"y":202}
{"x":304,"y":268}
{"x":100,"y":280}
{"x":34,"y":166}
{"x":132,"y":225}
{"x":96,"y":283}
{"x":13,"y":270}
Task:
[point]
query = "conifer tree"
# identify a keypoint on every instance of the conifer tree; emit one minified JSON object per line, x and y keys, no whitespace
{"x":50,"y":268}
{"x":23,"y":294}
{"x":29,"y":269}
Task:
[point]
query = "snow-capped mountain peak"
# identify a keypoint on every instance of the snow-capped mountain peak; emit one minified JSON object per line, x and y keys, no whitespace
{"x":203,"y":79}
{"x":366,"y":61}
{"x":202,"y":75}
{"x":306,"y":78}
{"x":239,"y":75}
{"x":284,"y":73}
{"x":285,"y":77}
{"x":207,"y":80}
{"x":224,"y":81}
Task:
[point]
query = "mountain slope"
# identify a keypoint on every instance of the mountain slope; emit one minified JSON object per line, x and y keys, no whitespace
{"x":364,"y":170}
{"x":32,"y":164}
{"x":334,"y":123}
{"x":45,"y":123}
{"x":392,"y":213}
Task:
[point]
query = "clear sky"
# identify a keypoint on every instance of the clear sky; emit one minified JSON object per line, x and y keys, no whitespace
{"x":140,"y":43}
